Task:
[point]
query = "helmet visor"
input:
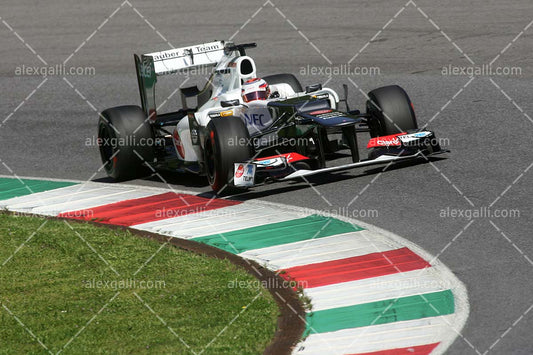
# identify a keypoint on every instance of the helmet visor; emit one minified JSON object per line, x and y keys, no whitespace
{"x":256,"y":95}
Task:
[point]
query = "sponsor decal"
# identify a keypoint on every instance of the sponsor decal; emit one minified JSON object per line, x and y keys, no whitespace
{"x":266,"y":162}
{"x":166,"y":55}
{"x":221,"y":113}
{"x":421,"y":134}
{"x":289,"y":157}
{"x":414,"y":136}
{"x":271,"y":162}
{"x":240,"y":171}
{"x":207,"y":48}
{"x":254,"y":119}
{"x":244,"y":174}
{"x":183,"y":52}
{"x":145,"y":70}
{"x":385,"y":141}
{"x":321,"y":96}
{"x":226,"y":113}
{"x":388,"y":141}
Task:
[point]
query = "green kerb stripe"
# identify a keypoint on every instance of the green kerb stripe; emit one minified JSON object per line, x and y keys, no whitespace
{"x":311,"y":227}
{"x":381,"y":312}
{"x":11,"y":187}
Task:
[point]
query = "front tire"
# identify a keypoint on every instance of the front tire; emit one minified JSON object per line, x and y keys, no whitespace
{"x":228,"y":142}
{"x":126,"y":142}
{"x":391,"y":111}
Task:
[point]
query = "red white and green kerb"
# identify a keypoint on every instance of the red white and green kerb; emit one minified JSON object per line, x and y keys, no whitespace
{"x":371,"y":292}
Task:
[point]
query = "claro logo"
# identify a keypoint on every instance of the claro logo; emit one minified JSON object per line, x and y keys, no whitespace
{"x":387,"y":142}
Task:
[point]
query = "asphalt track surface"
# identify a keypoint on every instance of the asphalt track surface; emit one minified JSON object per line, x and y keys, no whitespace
{"x":487,"y":124}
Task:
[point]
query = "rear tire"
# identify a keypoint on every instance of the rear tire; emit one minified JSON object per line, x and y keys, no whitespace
{"x":394,"y":112}
{"x":284,"y":79}
{"x":228,"y":142}
{"x":125,"y":141}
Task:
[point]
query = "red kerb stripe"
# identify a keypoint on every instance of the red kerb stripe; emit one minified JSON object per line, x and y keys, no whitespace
{"x":149,"y":209}
{"x":411,"y":350}
{"x":355,"y":268}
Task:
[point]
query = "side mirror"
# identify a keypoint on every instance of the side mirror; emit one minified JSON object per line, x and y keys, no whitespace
{"x":313,"y":88}
{"x":230,"y":103}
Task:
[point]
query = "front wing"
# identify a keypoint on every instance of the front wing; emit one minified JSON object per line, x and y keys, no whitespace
{"x":283,"y":167}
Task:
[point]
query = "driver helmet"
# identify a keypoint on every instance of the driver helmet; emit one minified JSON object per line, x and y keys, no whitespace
{"x":255,"y":89}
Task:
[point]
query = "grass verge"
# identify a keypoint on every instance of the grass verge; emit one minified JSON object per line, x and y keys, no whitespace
{"x":79,"y":288}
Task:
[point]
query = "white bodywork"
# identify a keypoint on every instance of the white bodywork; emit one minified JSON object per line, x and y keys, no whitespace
{"x":230,"y":71}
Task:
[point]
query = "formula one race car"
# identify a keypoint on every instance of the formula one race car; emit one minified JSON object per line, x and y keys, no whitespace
{"x":244,"y":131}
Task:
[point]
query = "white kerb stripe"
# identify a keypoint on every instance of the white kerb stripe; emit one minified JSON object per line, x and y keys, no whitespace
{"x":95,"y":201}
{"x":50,"y":197}
{"x":75,"y":197}
{"x":377,"y":337}
{"x":312,"y":251}
{"x":217,"y":221}
{"x":374,"y":289}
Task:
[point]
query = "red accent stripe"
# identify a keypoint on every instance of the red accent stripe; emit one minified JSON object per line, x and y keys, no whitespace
{"x":411,"y":350}
{"x":149,"y":209}
{"x":291,"y":157}
{"x":355,"y":268}
{"x":320,"y":112}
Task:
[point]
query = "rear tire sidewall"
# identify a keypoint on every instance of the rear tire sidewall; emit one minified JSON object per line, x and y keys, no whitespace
{"x":227,"y":142}
{"x":125,"y":141}
{"x":394,"y":112}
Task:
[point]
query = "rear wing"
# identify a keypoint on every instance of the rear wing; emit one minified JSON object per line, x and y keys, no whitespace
{"x":183,"y":59}
{"x":150,"y":66}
